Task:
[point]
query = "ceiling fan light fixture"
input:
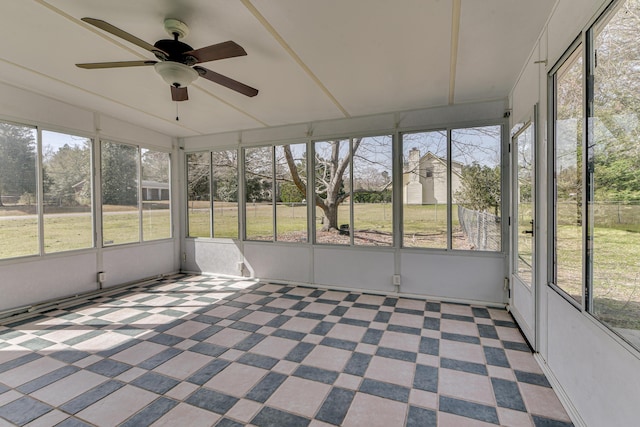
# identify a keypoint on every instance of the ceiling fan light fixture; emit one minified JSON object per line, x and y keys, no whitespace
{"x":175,"y":73}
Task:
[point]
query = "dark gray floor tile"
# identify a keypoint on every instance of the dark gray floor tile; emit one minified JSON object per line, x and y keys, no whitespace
{"x":265,"y":388}
{"x":372,"y":336}
{"x":19,"y":361}
{"x":338,"y":343}
{"x":390,"y":302}
{"x":409,"y":311}
{"x":505,"y":323}
{"x":160,"y":358}
{"x":154,"y":382}
{"x":117,"y":349}
{"x":249,"y":342}
{"x":135,"y":318}
{"x":480,"y":312}
{"x":433,"y":306}
{"x":382,"y":317}
{"x":23,"y":410}
{"x":429,"y":346}
{"x":208,"y":371}
{"x":212,"y":401}
{"x":519,"y":346}
{"x":206,"y":333}
{"x":385,"y":390}
{"x":316,"y":374}
{"x":47,"y":379}
{"x":245,"y":326}
{"x":108,"y":367}
{"x":4,"y":388}
{"x":338,"y":311}
{"x":322,"y":328}
{"x":36,"y":344}
{"x":469,"y":409}
{"x":269,"y":417}
{"x":366,"y":306}
{"x":431,"y":323}
{"x":72,"y":422}
{"x":335,"y":406}
{"x":239,"y":314}
{"x":257,"y":360}
{"x":532,"y":378}
{"x":327,"y":301}
{"x":351,"y":297}
{"x":404,"y":329}
{"x":150,"y":413}
{"x":426,"y":378}
{"x":300,"y":305}
{"x":264,"y":301}
{"x":354,"y":322}
{"x":420,"y":417}
{"x":278,"y":321}
{"x":291,"y":335}
{"x":539,"y":421}
{"x":496,"y":356}
{"x":488,"y":331}
{"x":69,"y":356}
{"x":310,"y":315}
{"x":167,"y":326}
{"x":392,"y":353}
{"x":226,"y":422}
{"x":458,"y":317}
{"x":165,"y":339}
{"x":357,"y":364}
{"x":208,"y":349}
{"x":90,"y":397}
{"x":460,"y":338}
{"x":507,"y":394}
{"x":299,"y":352}
{"x":205,"y":318}
{"x":459,"y":365}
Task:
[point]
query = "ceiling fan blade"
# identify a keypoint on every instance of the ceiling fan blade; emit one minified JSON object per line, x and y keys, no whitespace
{"x":179,"y":93}
{"x":226,"y":81}
{"x":94,"y":65}
{"x":214,"y":52}
{"x":122,"y":34}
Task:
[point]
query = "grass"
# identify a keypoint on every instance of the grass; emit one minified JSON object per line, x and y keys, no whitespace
{"x":616,"y":274}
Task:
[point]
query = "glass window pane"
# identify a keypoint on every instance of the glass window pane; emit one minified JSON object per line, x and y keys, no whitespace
{"x":156,"y":195}
{"x":614,"y":162}
{"x":198,"y":200}
{"x":372,"y":182}
{"x":568,"y":176}
{"x":258,"y":193}
{"x":332,"y":182}
{"x":476,"y":188}
{"x":424,"y":189}
{"x":18,"y":191}
{"x":291,"y":204}
{"x":524,"y":195}
{"x":66,"y":167}
{"x":225,"y":194}
{"x":120,"y":214}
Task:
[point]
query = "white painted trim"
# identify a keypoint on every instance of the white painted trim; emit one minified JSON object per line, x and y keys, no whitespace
{"x":562,"y":395}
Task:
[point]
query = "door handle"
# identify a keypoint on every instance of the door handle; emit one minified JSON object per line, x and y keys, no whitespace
{"x":529,"y":231}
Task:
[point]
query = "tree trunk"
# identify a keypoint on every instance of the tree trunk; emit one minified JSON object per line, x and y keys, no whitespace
{"x":330,"y":220}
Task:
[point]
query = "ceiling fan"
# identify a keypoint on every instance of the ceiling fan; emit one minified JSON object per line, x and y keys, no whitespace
{"x":176,"y":60}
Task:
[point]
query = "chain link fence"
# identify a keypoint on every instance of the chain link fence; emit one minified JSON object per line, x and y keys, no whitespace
{"x":482,"y":229}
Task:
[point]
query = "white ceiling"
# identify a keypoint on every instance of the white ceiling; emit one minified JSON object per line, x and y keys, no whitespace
{"x":311,"y":60}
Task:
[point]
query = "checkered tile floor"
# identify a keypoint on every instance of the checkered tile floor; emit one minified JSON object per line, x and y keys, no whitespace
{"x":223,"y":352}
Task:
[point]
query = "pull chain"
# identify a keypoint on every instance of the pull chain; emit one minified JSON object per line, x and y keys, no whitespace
{"x":177,"y":117}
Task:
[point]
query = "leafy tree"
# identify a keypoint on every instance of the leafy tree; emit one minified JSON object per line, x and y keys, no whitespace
{"x":480,"y":188}
{"x":17,"y":160}
{"x":289,"y":193}
{"x":119,"y":174}
{"x":66,"y":168}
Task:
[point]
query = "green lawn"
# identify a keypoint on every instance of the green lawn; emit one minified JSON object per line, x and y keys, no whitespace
{"x":616,"y":244}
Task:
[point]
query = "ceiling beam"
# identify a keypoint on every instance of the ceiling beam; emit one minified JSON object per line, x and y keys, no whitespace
{"x":453,"y":55}
{"x":267,"y":25}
